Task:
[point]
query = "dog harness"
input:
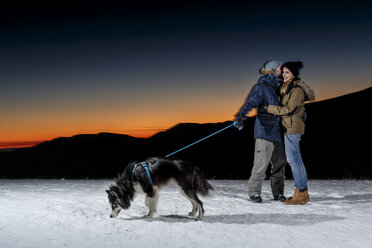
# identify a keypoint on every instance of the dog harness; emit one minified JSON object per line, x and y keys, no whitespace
{"x":146,"y":167}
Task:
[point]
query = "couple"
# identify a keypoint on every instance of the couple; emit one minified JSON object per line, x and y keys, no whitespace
{"x":278,"y":101}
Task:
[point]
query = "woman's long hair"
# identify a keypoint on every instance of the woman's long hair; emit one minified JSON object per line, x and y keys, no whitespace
{"x":284,"y":87}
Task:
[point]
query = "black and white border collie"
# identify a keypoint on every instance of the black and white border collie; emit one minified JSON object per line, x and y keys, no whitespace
{"x":161,"y":172}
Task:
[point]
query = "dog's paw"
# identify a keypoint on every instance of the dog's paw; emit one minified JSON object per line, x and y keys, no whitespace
{"x":199,"y":218}
{"x":148,"y":216}
{"x":192,"y":213}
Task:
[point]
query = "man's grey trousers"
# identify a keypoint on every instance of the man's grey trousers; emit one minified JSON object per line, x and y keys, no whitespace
{"x":268,"y":151}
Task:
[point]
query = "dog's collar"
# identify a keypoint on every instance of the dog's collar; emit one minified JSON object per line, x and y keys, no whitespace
{"x":146,"y":167}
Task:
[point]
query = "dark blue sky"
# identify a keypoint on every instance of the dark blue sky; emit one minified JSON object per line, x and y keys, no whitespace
{"x":136,"y":68}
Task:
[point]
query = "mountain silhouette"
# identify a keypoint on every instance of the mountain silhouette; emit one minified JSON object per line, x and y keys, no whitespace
{"x":336,"y":144}
{"x":337,"y":138}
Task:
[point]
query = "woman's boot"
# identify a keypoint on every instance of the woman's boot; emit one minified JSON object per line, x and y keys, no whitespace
{"x":300,"y":197}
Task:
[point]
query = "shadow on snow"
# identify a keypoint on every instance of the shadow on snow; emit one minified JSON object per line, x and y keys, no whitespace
{"x":349,"y":199}
{"x":274,"y":218}
{"x":248,"y":219}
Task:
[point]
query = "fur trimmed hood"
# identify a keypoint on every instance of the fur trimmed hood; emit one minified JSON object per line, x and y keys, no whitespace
{"x":309,"y":92}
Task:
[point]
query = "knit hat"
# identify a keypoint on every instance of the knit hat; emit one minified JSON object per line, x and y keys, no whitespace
{"x":294,"y":67}
{"x":272,"y":64}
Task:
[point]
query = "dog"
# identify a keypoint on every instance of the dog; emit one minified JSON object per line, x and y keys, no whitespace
{"x":150,"y":176}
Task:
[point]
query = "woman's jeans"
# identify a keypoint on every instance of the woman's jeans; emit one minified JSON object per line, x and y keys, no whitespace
{"x":292,"y":151}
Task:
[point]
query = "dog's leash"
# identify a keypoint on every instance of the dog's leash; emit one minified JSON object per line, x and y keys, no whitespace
{"x":170,"y":154}
{"x":145,"y":166}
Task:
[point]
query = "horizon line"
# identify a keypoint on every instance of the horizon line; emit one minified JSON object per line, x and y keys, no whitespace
{"x":32,"y":143}
{"x":27,"y":144}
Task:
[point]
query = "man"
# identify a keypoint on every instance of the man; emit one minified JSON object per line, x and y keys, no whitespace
{"x":269,"y":146}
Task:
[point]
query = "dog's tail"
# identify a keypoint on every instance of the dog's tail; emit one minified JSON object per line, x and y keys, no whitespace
{"x":201,"y":185}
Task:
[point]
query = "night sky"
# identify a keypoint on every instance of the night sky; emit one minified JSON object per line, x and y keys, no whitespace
{"x":137,"y":69}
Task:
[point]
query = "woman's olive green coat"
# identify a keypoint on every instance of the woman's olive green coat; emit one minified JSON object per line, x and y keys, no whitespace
{"x":293,"y":107}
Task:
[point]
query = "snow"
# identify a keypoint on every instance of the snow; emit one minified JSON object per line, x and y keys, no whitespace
{"x":75,"y":213}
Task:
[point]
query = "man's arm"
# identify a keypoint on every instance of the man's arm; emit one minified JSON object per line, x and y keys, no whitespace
{"x":253,"y":100}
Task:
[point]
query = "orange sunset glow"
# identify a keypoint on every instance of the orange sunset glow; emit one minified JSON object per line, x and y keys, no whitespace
{"x":139,"y":70}
{"x":144,"y":122}
{"x":140,"y":121}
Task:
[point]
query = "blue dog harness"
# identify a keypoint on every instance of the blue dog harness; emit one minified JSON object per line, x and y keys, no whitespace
{"x":146,"y":167}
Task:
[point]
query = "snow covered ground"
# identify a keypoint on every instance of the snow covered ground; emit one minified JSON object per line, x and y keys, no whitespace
{"x":75,"y":213}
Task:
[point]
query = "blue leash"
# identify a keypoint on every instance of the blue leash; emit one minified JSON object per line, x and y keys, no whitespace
{"x":145,"y":166}
{"x":200,"y":140}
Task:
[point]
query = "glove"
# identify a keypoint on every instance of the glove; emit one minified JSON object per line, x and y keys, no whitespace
{"x":239,"y":121}
{"x":262,"y":108}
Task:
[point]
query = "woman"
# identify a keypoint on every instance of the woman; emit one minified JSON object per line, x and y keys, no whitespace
{"x":293,"y":92}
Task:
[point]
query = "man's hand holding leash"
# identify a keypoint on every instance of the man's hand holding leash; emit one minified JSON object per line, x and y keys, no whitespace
{"x":240,"y":118}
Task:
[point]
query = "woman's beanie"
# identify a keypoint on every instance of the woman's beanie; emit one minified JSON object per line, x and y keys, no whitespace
{"x":294,"y":67}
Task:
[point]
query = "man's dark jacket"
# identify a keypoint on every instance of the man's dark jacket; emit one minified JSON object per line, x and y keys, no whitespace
{"x":267,"y":126}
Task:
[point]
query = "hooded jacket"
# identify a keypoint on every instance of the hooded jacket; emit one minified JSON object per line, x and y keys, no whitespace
{"x":267,"y":126}
{"x":293,"y":107}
